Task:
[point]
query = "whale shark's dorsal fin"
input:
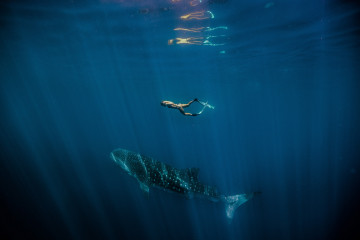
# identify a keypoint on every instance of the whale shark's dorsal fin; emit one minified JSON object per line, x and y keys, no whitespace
{"x":192,"y":173}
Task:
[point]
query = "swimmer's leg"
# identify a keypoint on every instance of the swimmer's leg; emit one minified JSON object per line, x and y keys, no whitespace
{"x":189,"y":103}
{"x":187,"y":114}
{"x":202,"y":110}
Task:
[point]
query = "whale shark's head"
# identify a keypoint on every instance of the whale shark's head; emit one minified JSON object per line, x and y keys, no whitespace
{"x":132,"y":163}
{"x":120,"y":157}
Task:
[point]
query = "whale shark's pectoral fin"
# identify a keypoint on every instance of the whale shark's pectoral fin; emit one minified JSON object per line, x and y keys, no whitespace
{"x":145,"y":189}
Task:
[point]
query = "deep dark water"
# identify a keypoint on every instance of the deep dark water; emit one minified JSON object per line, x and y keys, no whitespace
{"x":81,"y":78}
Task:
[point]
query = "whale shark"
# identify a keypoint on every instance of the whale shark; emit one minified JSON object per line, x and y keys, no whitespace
{"x":152,"y":173}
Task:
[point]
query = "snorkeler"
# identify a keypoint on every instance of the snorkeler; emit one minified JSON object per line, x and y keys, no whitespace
{"x":181,"y":106}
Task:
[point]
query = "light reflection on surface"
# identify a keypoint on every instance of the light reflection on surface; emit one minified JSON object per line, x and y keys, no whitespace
{"x":192,"y":33}
{"x":195,"y":2}
{"x":199,"y":15}
{"x":208,"y":29}
{"x":208,"y":41}
{"x":192,"y":3}
{"x":194,"y":20}
{"x":190,"y":40}
{"x":200,"y":29}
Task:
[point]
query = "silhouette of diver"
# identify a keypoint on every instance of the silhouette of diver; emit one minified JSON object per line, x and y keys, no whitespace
{"x":181,"y":106}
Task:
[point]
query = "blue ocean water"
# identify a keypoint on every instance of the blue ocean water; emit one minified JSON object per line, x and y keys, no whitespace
{"x":82,"y":78}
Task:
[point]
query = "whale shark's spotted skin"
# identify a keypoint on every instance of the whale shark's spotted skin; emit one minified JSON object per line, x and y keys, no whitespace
{"x":152,"y":173}
{"x":158,"y":174}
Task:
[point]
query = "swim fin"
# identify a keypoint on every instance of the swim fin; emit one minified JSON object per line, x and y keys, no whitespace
{"x":202,"y":110}
{"x":205,"y":104}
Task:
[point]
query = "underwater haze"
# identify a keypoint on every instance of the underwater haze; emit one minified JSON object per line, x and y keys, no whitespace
{"x":80,"y":78}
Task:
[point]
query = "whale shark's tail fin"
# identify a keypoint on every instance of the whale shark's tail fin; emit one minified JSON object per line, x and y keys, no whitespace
{"x":233,"y":202}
